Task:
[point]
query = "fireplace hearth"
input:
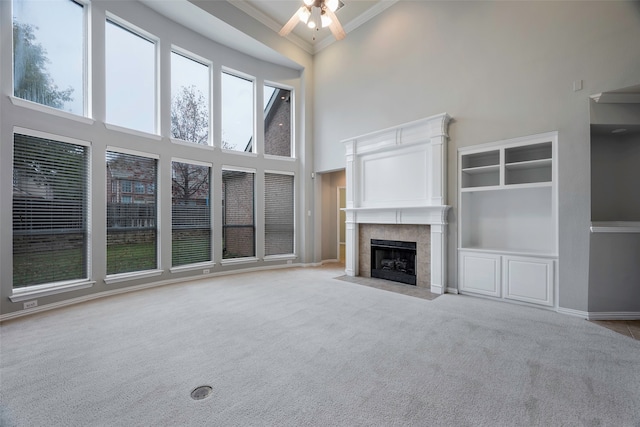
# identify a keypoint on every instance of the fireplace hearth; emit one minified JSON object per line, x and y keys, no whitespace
{"x":394,"y":260}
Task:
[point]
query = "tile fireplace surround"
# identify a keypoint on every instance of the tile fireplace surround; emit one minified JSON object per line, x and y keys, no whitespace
{"x":397,"y":177}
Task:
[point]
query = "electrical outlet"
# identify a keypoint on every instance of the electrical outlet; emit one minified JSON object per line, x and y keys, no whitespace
{"x":30,"y":304}
{"x":206,"y":271}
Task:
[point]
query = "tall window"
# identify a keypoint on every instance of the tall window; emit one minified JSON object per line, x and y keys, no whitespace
{"x":50,"y":181}
{"x":131,"y":227}
{"x":238,"y":214}
{"x":237,"y":113}
{"x":130,"y":79}
{"x":191,"y":214}
{"x":49,"y":53}
{"x":278,"y":214}
{"x":190,"y":99}
{"x":277,"y":121}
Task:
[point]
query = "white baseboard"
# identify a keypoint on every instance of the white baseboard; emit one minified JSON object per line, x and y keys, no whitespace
{"x":614,"y":315}
{"x":600,"y":315}
{"x":452,"y":291}
{"x":572,"y":312}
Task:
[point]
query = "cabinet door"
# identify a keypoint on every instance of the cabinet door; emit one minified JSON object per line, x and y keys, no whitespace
{"x":480,"y":273}
{"x":528,"y":279}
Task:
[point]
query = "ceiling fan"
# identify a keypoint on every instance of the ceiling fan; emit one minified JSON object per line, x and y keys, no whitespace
{"x":316,"y":14}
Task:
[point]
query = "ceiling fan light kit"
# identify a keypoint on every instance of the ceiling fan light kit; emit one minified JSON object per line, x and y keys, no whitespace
{"x":316,"y":14}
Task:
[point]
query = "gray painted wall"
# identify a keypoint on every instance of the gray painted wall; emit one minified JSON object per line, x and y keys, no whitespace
{"x":501,"y":70}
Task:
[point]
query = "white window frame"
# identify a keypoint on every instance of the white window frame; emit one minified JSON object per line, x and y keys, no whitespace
{"x":35,"y":291}
{"x":115,"y":19}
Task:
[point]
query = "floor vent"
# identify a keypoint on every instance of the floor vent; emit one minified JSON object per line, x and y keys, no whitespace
{"x":201,"y":392}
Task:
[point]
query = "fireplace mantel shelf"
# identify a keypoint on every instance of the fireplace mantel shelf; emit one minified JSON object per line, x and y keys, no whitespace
{"x":428,"y":215}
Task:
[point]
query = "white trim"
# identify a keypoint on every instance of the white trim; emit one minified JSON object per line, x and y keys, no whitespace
{"x":240,"y":153}
{"x":615,"y":227}
{"x":614,"y":315}
{"x":281,"y":158}
{"x":275,"y":172}
{"x":451,"y":290}
{"x":19,"y":102}
{"x":369,"y":14}
{"x":30,"y":292}
{"x":616,"y":98}
{"x":280,"y":257}
{"x":190,"y":55}
{"x":191,"y":144}
{"x":134,"y":132}
{"x":238,"y":169}
{"x":123,"y":150}
{"x":48,"y":135}
{"x":237,"y":261}
{"x":123,"y":277}
{"x":126,"y":25}
{"x":192,"y":162}
{"x":272,"y":24}
{"x":193,"y":267}
{"x":572,"y":312}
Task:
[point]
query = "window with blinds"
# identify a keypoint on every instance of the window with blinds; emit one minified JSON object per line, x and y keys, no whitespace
{"x":278,"y":213}
{"x":131,"y":216}
{"x":190,"y":214}
{"x":238,"y":214}
{"x":50,"y":193}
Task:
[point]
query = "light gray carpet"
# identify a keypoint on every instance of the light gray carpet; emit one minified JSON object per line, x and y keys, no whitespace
{"x":296,"y":347}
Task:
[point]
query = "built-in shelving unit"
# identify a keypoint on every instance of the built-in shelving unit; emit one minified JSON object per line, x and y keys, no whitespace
{"x":508,"y":219}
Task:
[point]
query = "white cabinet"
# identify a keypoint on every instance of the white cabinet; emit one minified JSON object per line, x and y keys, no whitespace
{"x":508,"y":245}
{"x":480,"y":273}
{"x":528,"y":279}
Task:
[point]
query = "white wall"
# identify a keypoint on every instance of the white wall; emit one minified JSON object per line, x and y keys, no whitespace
{"x":501,"y":70}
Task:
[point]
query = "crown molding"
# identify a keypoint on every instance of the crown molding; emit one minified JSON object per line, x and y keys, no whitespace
{"x":380,"y":7}
{"x":270,"y":23}
{"x":327,"y":41}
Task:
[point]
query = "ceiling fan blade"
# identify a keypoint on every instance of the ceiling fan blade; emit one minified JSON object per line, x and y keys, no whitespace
{"x":290,"y":25}
{"x":335,"y":27}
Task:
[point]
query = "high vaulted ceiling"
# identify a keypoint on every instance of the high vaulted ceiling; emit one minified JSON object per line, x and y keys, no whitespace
{"x":199,"y":15}
{"x":274,"y":14}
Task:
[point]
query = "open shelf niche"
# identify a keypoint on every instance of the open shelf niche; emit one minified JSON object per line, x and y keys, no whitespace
{"x":508,"y":244}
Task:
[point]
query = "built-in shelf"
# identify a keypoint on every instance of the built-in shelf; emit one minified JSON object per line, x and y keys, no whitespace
{"x":508,"y":219}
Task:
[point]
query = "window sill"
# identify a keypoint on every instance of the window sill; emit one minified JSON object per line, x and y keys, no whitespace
{"x":240,"y":153}
{"x":19,"y":102}
{"x":134,"y":132}
{"x":123,"y":277}
{"x":23,"y":294}
{"x":283,"y":257}
{"x":192,"y":267}
{"x":274,"y":157}
{"x":237,"y":261}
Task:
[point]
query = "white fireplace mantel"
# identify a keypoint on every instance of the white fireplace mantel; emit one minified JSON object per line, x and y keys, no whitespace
{"x":398,"y":176}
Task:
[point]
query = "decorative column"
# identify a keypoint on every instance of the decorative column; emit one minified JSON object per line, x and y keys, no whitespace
{"x":351,"y":229}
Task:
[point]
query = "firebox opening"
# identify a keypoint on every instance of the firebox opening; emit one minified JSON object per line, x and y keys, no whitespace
{"x":394,"y":260}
